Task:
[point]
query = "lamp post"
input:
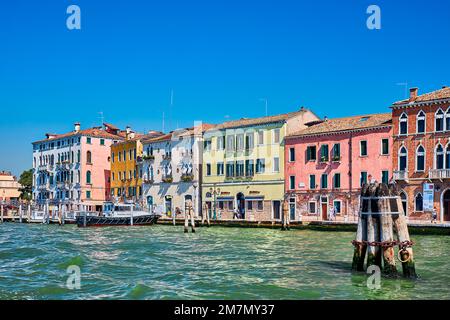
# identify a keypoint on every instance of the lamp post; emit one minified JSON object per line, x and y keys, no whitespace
{"x":215,"y":192}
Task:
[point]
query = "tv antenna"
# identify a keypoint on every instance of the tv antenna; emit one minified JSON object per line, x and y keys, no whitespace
{"x":405,"y":84}
{"x":265,"y":103}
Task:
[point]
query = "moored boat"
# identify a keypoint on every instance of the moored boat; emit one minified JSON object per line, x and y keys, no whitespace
{"x":117,"y":215}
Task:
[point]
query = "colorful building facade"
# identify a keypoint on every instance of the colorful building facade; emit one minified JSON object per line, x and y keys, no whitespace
{"x":422,"y":153}
{"x":9,"y":187}
{"x":73,"y":169}
{"x":327,"y":163}
{"x":171,"y":168}
{"x":243,"y":166}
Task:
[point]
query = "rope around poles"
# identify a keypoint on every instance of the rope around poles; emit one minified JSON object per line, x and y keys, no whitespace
{"x":402,"y":245}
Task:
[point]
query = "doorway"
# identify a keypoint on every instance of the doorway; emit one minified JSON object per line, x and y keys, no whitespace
{"x":446,"y":205}
{"x":168,"y":205}
{"x":324,"y":207}
{"x":240,"y":198}
{"x":276,"y":209}
{"x":292,"y":209}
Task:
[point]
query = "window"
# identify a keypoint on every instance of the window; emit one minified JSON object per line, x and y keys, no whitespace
{"x":88,"y":194}
{"x":207,"y":145}
{"x":249,"y":143}
{"x":311,"y":153}
{"x":363,"y":148}
{"x":88,"y":177}
{"x":385,"y":176}
{"x":324,"y":153}
{"x":337,"y":180}
{"x":439,"y":157}
{"x":130,"y":154}
{"x":240,"y":168}
{"x":120,"y":156}
{"x":337,"y":206}
{"x":439,"y":121}
{"x":291,"y":154}
{"x":113,"y":176}
{"x":102,"y":142}
{"x":260,"y":165}
{"x":402,"y":159}
{"x":221,"y":206}
{"x":312,"y":207}
{"x":249,"y":205}
{"x":276,"y":135}
{"x":420,"y":159}
{"x":78,"y":156}
{"x":230,"y":169}
{"x":384,"y":147}
{"x":249,"y":168}
{"x":230,"y":143}
{"x":292,"y":183}
{"x":418,"y":202}
{"x":220,"y":169}
{"x":312,"y":181}
{"x":220,"y":143}
{"x":89,"y":157}
{"x":260,"y":137}
{"x":208,"y":169}
{"x":276,"y":164}
{"x":240,"y":142}
{"x":363,"y":178}
{"x":260,"y":205}
{"x":112,"y":157}
{"x":88,"y":140}
{"x":324,"y":181}
{"x":336,"y":152}
{"x":447,"y":157}
{"x":447,"y":120}
{"x":420,"y":122}
{"x":403,"y":124}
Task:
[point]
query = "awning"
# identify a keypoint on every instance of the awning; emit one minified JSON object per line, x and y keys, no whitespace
{"x":225,"y":198}
{"x":250,"y":198}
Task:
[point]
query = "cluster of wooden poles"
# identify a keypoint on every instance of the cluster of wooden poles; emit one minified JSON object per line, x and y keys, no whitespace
{"x":22,"y":214}
{"x":381,"y":227}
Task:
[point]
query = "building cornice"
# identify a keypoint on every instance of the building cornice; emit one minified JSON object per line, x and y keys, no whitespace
{"x":419,"y":104}
{"x":332,"y":133}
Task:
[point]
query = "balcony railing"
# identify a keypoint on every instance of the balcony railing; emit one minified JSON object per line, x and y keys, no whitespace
{"x":439,"y":174}
{"x":167,"y":156}
{"x":187,"y":177}
{"x":167,"y":179}
{"x":148,"y":157}
{"x":400,"y":175}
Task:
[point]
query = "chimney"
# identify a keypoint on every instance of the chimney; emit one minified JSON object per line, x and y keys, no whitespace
{"x":325,"y":118}
{"x":77,"y":127}
{"x":128,"y":131}
{"x":413,"y":94}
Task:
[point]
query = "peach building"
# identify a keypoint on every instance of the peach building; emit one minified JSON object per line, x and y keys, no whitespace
{"x":327,"y":163}
{"x":9,"y":187}
{"x":73,"y":169}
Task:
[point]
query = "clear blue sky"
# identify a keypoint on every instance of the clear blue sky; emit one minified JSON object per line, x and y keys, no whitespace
{"x":219,"y":57}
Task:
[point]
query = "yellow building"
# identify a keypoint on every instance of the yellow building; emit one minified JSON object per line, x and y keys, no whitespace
{"x":243,"y":166}
{"x":126,"y":177}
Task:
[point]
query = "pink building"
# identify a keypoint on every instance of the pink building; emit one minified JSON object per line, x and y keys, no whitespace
{"x":327,"y":163}
{"x":73,"y":169}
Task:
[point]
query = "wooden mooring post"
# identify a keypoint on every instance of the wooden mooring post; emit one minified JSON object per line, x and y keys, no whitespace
{"x":188,"y":215}
{"x":285,"y":216}
{"x":205,"y":215}
{"x":381,"y":217}
{"x":1,"y":209}
{"x":20,"y":213}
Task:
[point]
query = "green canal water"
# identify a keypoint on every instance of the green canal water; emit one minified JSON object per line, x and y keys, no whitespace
{"x":161,"y":262}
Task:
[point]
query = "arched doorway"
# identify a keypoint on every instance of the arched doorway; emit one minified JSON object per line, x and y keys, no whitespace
{"x":404,"y":202}
{"x":150,"y":202}
{"x":446,"y":205}
{"x":240,"y":199}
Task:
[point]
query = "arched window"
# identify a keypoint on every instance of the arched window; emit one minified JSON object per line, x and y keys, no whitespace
{"x":421,"y":122}
{"x":404,"y":202}
{"x":439,"y":157}
{"x":88,"y":157}
{"x":439,"y":120}
{"x":418,"y":202}
{"x":447,"y":119}
{"x":88,"y":177}
{"x":402,"y":159}
{"x":404,"y":123}
{"x":78,"y":156}
{"x":78,"y":177}
{"x":52,"y":160}
{"x":447,"y":157}
{"x":73,"y":158}
{"x":420,"y":158}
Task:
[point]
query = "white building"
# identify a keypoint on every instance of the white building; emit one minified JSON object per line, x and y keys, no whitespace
{"x":171,"y":170}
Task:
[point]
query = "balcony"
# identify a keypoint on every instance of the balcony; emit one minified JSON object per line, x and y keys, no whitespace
{"x":439,"y":174}
{"x":43,"y":187}
{"x":167,"y":179}
{"x":167,"y":156}
{"x":187,"y":177}
{"x":148,"y":158}
{"x":400,"y":175}
{"x":43,"y":167}
{"x":148,"y":180}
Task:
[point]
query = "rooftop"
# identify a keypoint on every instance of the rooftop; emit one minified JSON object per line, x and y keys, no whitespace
{"x":346,"y":124}
{"x":440,"y":94}
{"x":243,"y":122}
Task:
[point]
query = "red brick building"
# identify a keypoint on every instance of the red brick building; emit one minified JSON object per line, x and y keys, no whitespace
{"x":421,"y":153}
